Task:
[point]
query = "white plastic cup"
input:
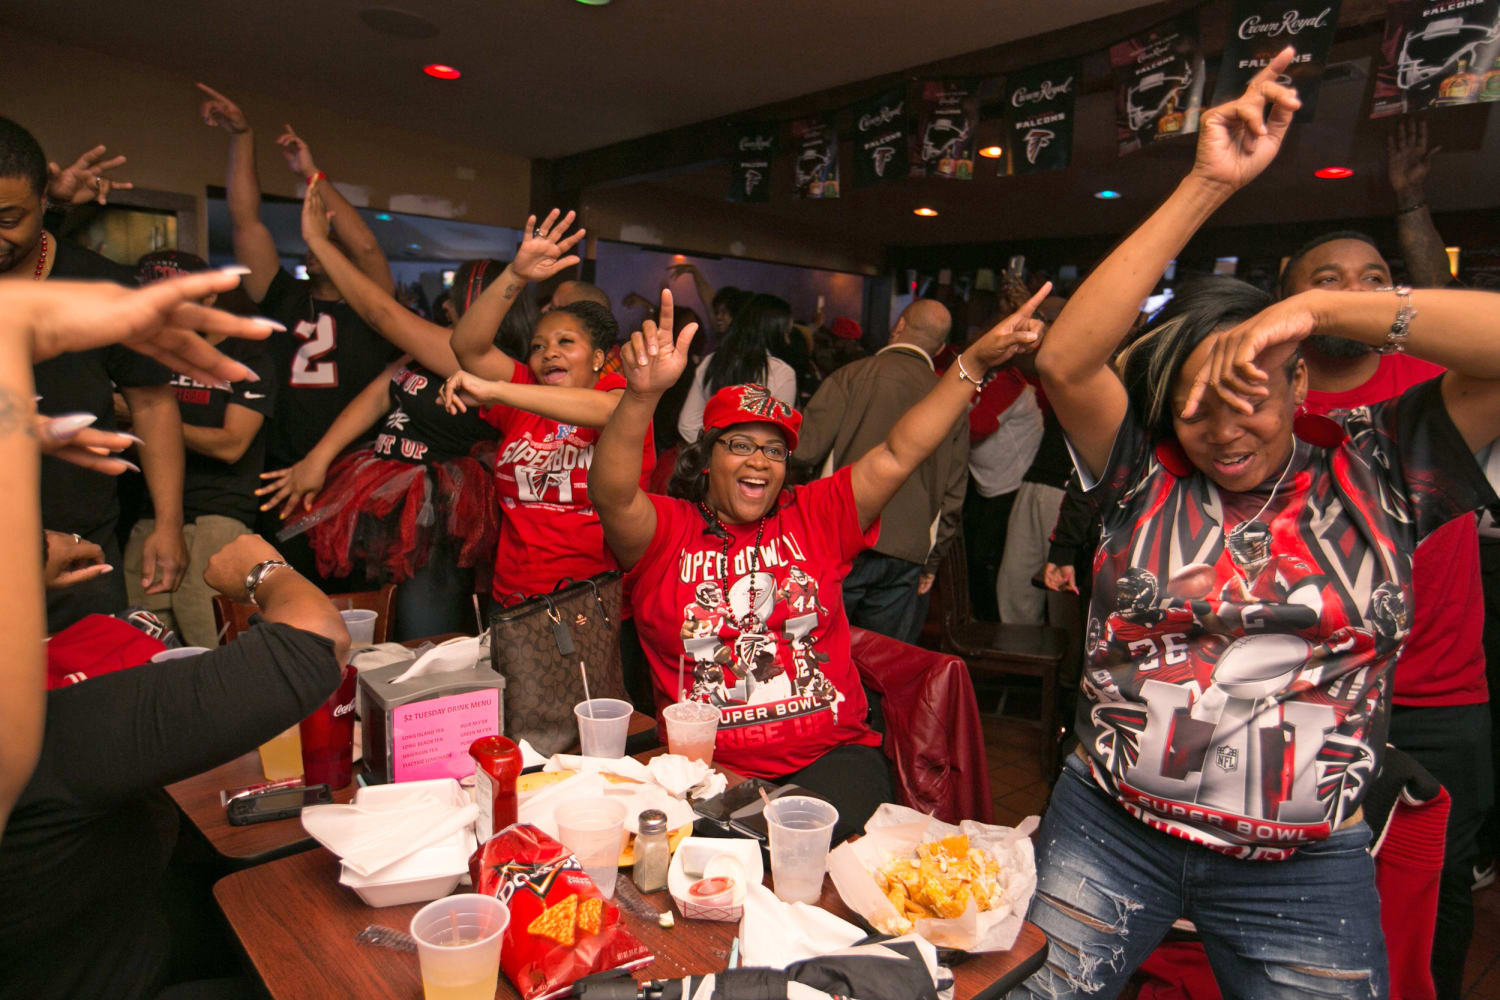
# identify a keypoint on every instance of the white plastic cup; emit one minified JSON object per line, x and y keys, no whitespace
{"x":691,"y":728}
{"x":594,"y":830}
{"x":458,"y":946}
{"x":180,"y":653}
{"x":602,"y":727}
{"x":361,"y":626}
{"x":800,"y":828}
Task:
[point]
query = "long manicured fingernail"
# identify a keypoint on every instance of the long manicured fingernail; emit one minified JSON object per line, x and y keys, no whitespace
{"x":127,"y":434}
{"x":67,"y":425}
{"x":107,"y":568}
{"x":129,"y":464}
{"x":268,"y":321}
{"x":236,"y":269}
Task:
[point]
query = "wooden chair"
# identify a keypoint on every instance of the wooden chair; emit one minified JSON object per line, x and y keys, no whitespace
{"x":231,"y":617}
{"x":996,"y":649}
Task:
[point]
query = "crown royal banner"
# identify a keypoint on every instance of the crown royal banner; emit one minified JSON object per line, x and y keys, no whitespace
{"x":750,"y":173}
{"x":1158,"y":83}
{"x":816,"y":167}
{"x":947,"y":127}
{"x":1259,"y":29}
{"x":880,"y":138}
{"x":1437,"y":53}
{"x":1038,"y":117}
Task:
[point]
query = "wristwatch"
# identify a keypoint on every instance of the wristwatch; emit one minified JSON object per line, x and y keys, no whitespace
{"x":258,"y":574}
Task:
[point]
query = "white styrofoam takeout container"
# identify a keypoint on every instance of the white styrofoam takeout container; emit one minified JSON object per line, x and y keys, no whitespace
{"x":422,"y":876}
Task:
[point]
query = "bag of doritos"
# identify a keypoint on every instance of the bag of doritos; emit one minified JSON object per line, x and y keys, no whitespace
{"x":560,"y":929}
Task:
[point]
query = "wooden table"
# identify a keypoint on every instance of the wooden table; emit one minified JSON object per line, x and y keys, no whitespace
{"x":297,"y":925}
{"x":198,"y":798}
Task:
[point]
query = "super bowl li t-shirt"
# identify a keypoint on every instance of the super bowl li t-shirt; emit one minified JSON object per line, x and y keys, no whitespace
{"x":326,"y":356}
{"x":549,"y":530}
{"x":1239,"y":647}
{"x":762,"y":629}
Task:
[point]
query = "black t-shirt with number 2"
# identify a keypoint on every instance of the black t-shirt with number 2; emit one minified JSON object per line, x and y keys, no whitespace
{"x":325,"y":357}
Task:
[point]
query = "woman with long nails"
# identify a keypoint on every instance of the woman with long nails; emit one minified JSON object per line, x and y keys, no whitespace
{"x":1251,"y":594}
{"x":741,"y":575}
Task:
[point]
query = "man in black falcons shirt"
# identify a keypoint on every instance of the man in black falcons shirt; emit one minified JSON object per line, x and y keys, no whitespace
{"x":327,"y":354}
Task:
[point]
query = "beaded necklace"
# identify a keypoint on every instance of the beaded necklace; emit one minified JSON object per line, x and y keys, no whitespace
{"x":41,"y":260}
{"x":752,"y":620}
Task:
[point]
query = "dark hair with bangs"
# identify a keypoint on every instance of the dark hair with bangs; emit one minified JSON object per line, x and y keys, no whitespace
{"x":1150,"y":366}
{"x":688,"y":481}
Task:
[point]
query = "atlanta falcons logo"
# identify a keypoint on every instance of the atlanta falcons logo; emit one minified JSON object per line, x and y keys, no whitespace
{"x":1037,"y":140}
{"x":752,"y":178}
{"x":398,"y":419}
{"x":757,"y":399}
{"x":810,"y":165}
{"x":881,"y":157}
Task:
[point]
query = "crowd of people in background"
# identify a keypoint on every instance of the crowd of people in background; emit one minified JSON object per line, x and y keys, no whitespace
{"x":788,"y":477}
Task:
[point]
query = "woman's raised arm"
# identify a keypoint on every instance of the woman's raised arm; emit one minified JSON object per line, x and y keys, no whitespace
{"x":1236,"y":141}
{"x":653,"y":360}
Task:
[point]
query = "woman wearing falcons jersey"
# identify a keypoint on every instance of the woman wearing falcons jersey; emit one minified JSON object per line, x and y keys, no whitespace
{"x":742,"y":578}
{"x":1251,"y":594}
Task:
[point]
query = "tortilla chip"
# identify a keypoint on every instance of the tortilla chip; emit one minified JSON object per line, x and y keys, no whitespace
{"x":558,"y":921}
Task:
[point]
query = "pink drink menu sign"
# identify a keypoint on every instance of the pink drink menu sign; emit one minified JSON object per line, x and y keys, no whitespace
{"x":431,"y":738}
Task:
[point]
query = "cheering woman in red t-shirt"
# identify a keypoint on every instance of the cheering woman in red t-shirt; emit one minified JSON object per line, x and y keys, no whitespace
{"x":548,"y":412}
{"x":743,"y":578}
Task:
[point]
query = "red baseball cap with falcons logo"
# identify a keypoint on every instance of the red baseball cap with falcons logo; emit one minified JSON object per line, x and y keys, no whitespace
{"x":751,"y":404}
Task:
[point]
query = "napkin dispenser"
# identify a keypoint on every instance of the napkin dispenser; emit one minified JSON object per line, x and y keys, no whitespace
{"x":422,"y":717}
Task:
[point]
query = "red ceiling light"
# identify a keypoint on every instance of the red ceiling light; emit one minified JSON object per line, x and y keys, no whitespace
{"x":991,"y":152}
{"x":924,"y":212}
{"x":441,"y":72}
{"x":1333,"y":173}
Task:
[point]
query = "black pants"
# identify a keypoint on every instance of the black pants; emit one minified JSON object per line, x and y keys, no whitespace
{"x":855,"y":779}
{"x":984,"y":543}
{"x":1453,"y":744}
{"x":880,"y":594}
{"x":438,"y":599}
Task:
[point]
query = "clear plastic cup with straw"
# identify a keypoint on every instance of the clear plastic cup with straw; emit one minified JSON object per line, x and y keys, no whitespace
{"x":458,"y":946}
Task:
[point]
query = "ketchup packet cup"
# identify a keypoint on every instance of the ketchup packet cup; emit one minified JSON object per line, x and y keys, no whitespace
{"x":560,"y":928}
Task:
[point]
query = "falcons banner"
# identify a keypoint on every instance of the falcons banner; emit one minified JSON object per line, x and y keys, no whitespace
{"x":1437,"y":53}
{"x":1158,"y":83}
{"x":1039,"y":118}
{"x":816,"y":168}
{"x":948,"y":124}
{"x":750,"y":174}
{"x":1261,"y":28}
{"x":880,"y":138}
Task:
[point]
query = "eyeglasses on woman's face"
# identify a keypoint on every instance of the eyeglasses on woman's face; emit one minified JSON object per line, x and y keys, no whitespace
{"x":744,"y":447}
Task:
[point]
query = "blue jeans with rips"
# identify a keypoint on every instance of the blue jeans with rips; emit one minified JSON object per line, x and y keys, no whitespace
{"x":1109,"y":888}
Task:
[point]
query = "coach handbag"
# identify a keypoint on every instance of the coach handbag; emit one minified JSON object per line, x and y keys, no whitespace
{"x":537,"y":645}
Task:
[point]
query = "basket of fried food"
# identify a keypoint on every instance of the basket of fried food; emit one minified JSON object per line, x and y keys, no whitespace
{"x":965,"y":887}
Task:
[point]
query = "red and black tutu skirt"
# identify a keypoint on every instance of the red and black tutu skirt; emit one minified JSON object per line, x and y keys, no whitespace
{"x":383,"y":517}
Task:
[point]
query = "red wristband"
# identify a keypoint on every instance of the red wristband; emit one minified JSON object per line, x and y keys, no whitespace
{"x":318,"y":176}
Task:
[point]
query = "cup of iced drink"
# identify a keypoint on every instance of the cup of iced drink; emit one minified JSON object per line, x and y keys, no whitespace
{"x":691,"y":728}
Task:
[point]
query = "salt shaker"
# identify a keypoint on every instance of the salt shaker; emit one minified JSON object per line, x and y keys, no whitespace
{"x":652,"y":854}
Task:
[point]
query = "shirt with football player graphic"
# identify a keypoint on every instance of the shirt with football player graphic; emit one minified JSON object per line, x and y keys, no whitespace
{"x":1236,"y":684}
{"x":549,"y":530}
{"x":763,"y":634}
